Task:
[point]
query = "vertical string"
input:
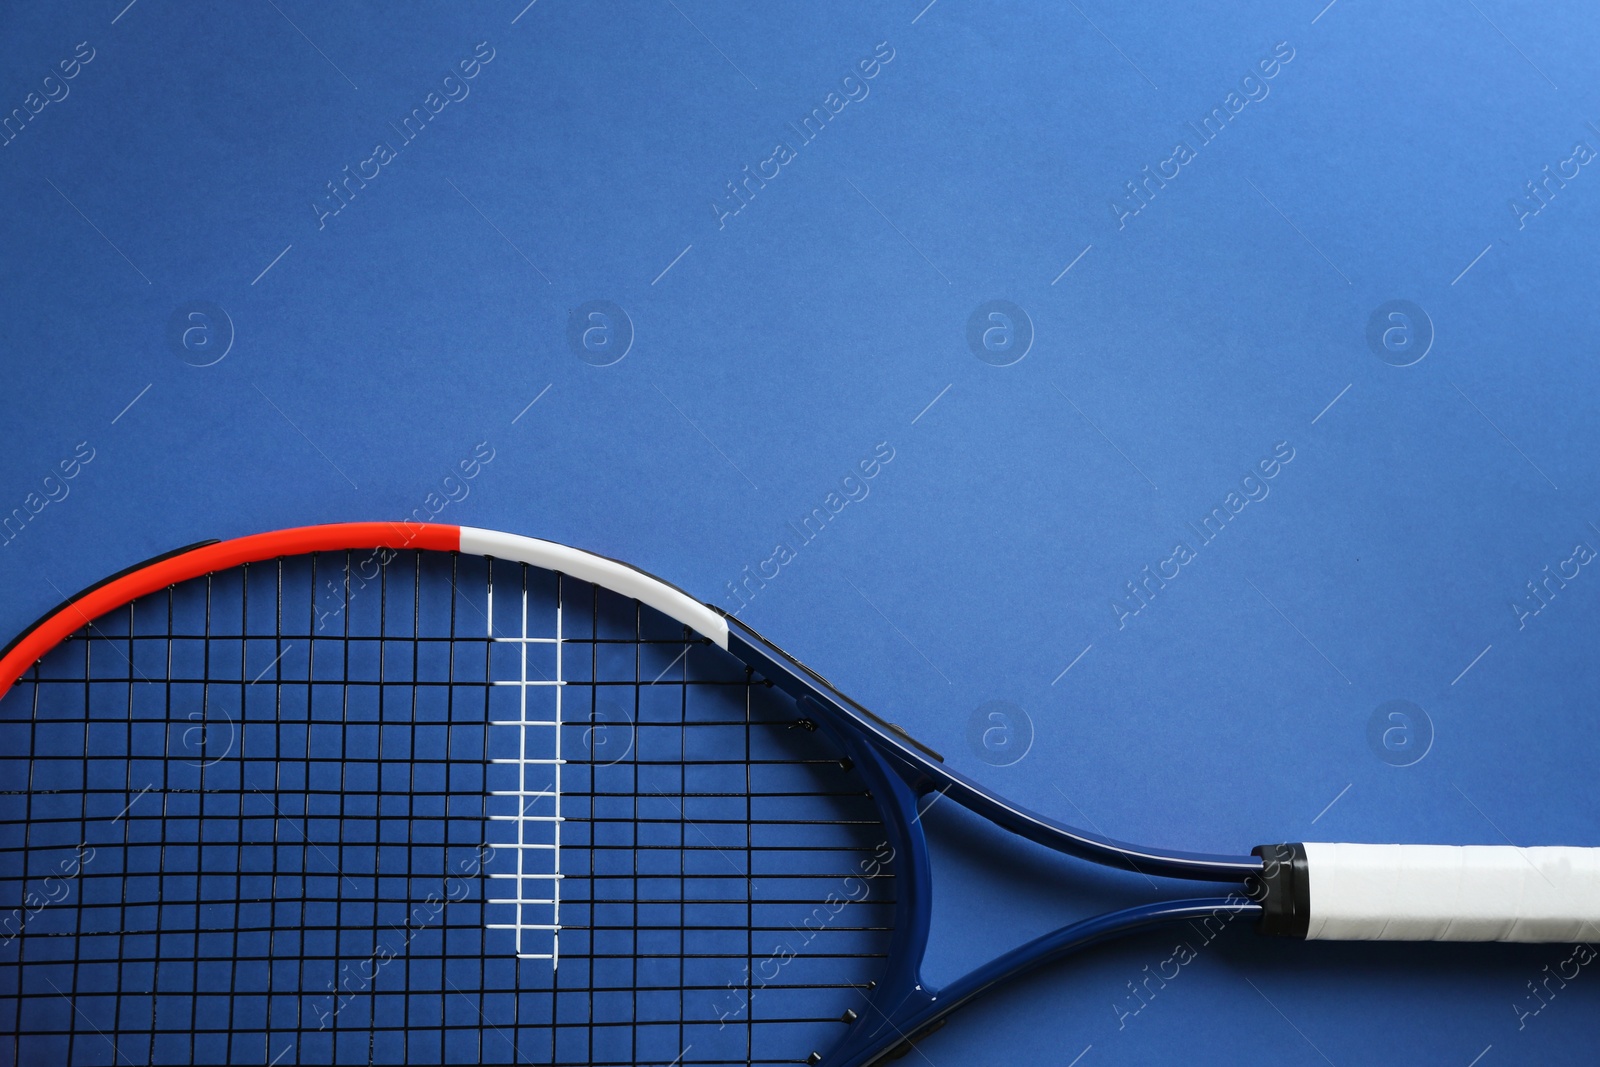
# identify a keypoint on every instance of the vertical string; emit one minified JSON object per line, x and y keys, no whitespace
{"x":238,"y":852}
{"x":749,"y":881}
{"x":312,"y":627}
{"x":127,"y":781}
{"x":378,"y":797}
{"x":277,"y":753}
{"x":683,"y":818}
{"x":555,"y":882}
{"x":522,"y":755}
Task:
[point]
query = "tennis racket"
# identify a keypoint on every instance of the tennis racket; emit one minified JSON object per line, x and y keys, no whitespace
{"x":396,"y":792}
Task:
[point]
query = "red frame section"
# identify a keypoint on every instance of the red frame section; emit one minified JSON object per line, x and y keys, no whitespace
{"x":94,"y":602}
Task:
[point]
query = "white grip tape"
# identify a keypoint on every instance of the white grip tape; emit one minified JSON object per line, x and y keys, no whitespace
{"x":1452,"y":893}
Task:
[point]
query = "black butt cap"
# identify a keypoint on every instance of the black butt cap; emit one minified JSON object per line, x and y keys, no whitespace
{"x":1283,"y":889}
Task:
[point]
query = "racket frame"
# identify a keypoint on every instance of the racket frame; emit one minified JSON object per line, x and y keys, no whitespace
{"x":899,"y":770}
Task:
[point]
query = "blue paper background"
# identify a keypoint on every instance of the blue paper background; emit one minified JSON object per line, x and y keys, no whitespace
{"x":772,"y":352}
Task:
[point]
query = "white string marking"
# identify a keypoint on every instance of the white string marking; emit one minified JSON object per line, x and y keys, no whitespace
{"x":555,"y":883}
{"x":522,"y":752}
{"x":523,"y":897}
{"x":522,"y":823}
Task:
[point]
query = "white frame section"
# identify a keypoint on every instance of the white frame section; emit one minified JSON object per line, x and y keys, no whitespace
{"x":598,"y":570}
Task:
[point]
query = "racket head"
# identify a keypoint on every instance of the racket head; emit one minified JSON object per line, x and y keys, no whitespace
{"x":829,"y":826}
{"x":295,"y":797}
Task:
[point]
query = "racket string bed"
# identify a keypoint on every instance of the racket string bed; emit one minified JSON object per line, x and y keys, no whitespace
{"x":282,"y":784}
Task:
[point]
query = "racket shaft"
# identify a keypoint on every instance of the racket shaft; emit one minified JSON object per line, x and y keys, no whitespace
{"x":1354,"y":892}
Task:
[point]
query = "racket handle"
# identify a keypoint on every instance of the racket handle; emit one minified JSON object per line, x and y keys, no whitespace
{"x":1344,"y":892}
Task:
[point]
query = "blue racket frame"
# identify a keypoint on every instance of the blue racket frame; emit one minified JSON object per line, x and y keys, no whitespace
{"x":900,"y":771}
